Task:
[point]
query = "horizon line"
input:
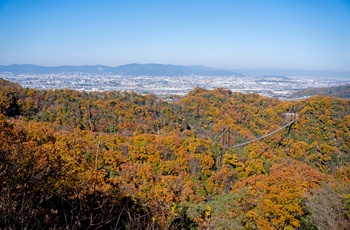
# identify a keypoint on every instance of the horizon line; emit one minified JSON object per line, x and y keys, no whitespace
{"x":198,"y":65}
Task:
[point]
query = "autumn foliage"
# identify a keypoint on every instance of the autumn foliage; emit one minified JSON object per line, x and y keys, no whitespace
{"x":119,"y":160}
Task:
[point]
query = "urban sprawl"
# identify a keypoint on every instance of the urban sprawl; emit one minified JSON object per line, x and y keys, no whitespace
{"x":271,"y":86}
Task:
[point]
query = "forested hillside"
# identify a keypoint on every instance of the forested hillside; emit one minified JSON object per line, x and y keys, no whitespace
{"x":119,"y":160}
{"x":342,"y":91}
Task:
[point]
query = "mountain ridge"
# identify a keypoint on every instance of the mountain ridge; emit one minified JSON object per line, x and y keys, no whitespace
{"x":154,"y":69}
{"x":133,"y":69}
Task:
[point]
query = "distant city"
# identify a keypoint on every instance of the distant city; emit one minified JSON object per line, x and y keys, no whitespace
{"x":168,"y":80}
{"x":272,"y":86}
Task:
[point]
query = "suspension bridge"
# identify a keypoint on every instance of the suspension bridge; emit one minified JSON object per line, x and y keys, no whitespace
{"x":225,"y":134}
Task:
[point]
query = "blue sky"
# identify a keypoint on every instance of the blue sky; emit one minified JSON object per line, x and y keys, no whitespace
{"x":236,"y":34}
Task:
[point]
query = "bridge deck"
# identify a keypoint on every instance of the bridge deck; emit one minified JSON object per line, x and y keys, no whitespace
{"x":289,"y":117}
{"x":264,"y":136}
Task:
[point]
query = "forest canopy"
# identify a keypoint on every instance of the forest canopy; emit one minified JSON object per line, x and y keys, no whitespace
{"x":120,"y":160}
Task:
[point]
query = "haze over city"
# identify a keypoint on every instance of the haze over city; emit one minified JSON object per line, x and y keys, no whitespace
{"x":288,"y":35}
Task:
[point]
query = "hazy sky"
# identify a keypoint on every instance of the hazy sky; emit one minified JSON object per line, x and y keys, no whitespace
{"x":232,"y":34}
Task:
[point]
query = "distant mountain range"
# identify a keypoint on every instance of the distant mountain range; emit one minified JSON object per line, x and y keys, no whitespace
{"x":126,"y":70}
{"x":166,"y":70}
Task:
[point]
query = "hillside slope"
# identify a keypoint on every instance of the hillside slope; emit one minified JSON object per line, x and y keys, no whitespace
{"x":121,"y":160}
{"x":342,"y":91}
